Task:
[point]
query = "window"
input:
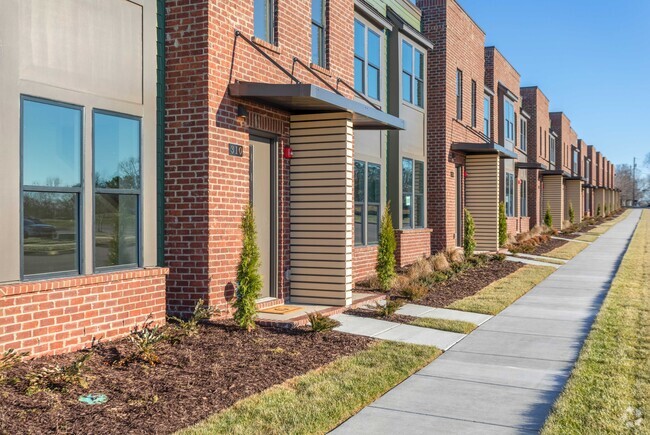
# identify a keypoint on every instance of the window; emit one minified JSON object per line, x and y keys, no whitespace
{"x":459,"y":94}
{"x":509,"y":127}
{"x":487,"y":103}
{"x":51,"y":178}
{"x":523,"y":208}
{"x":474,"y":103}
{"x":587,"y":173}
{"x":116,"y":141}
{"x":318,"y":32}
{"x":367,"y":60}
{"x":367,"y":202}
{"x":412,"y":75}
{"x":263,"y":20}
{"x":575,"y":163}
{"x":551,"y":149}
{"x":523,"y":134}
{"x":510,"y":195}
{"x":412,"y":193}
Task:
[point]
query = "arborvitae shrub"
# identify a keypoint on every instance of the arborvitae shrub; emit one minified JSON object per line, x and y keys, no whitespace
{"x":386,"y":251}
{"x":503,"y":224}
{"x":572,"y":215}
{"x":469,"y":243}
{"x":548,"y":219}
{"x":249,"y":280}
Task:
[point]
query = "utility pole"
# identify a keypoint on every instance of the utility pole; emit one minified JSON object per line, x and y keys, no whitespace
{"x":633,"y":181}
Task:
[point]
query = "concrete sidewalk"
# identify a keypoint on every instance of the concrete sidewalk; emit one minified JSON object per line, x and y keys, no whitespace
{"x":505,"y":376}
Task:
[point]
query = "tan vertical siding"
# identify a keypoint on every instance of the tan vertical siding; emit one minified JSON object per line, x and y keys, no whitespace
{"x":599,"y":200}
{"x":554,"y":196}
{"x":321,"y":213}
{"x":573,"y":195}
{"x":482,"y":198}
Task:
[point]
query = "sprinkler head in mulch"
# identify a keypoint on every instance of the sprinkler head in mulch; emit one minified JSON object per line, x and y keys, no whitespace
{"x":93,"y":399}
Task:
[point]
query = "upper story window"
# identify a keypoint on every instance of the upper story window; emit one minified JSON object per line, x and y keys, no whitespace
{"x":412,"y":75}
{"x":318,"y":33}
{"x":459,"y":94}
{"x":551,"y":150}
{"x":509,"y":121}
{"x":474,"y":109}
{"x":487,"y":104}
{"x":367,"y":60}
{"x":510,"y":194}
{"x":575,"y":163}
{"x":412,"y":193}
{"x":264,"y":20}
{"x":587,"y":173}
{"x":523,"y":134}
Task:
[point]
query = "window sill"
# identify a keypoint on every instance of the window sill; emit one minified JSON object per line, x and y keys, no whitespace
{"x":321,"y":69}
{"x":267,"y":45}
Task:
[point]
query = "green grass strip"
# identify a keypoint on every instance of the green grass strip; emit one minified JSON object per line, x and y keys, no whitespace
{"x":445,"y":325}
{"x":609,"y":389}
{"x":567,"y":251}
{"x":500,"y":294}
{"x":588,"y":238}
{"x":322,"y":399}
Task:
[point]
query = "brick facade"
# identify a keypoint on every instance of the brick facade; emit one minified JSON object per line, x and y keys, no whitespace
{"x":459,"y":45}
{"x":63,"y":315}
{"x":412,"y":245}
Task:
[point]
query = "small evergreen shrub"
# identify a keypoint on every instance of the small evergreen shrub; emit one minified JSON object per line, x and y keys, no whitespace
{"x":503,"y":224}
{"x":548,"y":218}
{"x":386,"y":251}
{"x":389,"y":308}
{"x":469,"y":243}
{"x":598,"y":211}
{"x":320,"y":323}
{"x":499,"y":257}
{"x":249,"y":280}
{"x":572,"y":215}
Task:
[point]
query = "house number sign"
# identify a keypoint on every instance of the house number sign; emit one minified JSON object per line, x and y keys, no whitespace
{"x":236,"y":150}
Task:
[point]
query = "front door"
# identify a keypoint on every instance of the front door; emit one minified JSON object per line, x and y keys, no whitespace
{"x":263,"y":200}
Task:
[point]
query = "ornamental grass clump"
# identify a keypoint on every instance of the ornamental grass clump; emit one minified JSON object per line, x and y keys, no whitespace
{"x":389,"y":308}
{"x":321,"y":323}
{"x":503,"y":224}
{"x":414,"y":292}
{"x":469,"y":243}
{"x":386,"y":251}
{"x":420,"y":269}
{"x":439,"y":262}
{"x":249,"y":280}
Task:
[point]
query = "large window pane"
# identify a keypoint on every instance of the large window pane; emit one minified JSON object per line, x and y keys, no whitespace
{"x":418,"y":190}
{"x":359,"y":201}
{"x":374,"y":64}
{"x":359,"y":39}
{"x":116,"y":230}
{"x":374,"y":202}
{"x":358,"y":75}
{"x":117,"y":152}
{"x":317,"y":55}
{"x":373,"y":82}
{"x":263,"y":19}
{"x":317,"y":11}
{"x":50,"y":233}
{"x":51,"y":145}
{"x":407,"y":193}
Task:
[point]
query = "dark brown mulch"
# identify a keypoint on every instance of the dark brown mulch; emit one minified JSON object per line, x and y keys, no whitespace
{"x":197,"y":377}
{"x":548,"y":246}
{"x":467,"y":283}
{"x":372,"y":314}
{"x":570,"y":235}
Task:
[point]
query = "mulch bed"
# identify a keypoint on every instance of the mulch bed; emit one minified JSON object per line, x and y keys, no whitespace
{"x":197,"y":377}
{"x":548,"y":246}
{"x":570,"y":235}
{"x":468,"y":283}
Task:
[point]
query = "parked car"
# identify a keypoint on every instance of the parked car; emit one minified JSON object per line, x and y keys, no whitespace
{"x":36,"y":228}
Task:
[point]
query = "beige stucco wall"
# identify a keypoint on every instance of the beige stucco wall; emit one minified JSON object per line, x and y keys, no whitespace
{"x":482,"y":198}
{"x":87,"y":53}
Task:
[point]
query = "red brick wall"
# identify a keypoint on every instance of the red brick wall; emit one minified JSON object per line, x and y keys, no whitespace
{"x":513,"y":225}
{"x":206,"y":189}
{"x":412,"y":245}
{"x":459,"y":44}
{"x":364,"y":261}
{"x":566,"y":137}
{"x":63,"y":315}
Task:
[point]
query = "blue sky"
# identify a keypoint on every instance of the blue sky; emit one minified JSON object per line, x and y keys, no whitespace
{"x":590,"y":57}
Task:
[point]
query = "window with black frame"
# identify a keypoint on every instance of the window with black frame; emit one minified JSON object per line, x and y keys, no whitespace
{"x":523,"y":208}
{"x":367,"y":202}
{"x":318,"y":34}
{"x":51,"y":187}
{"x":116,"y":146}
{"x":459,"y":94}
{"x":487,"y":103}
{"x":412,"y":75}
{"x":264,"y":20}
{"x":367,"y":61}
{"x":413,"y":181}
{"x":510,"y":195}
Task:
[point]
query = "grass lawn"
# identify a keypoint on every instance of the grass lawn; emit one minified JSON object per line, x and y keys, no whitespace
{"x":588,"y":238}
{"x":322,"y":399}
{"x":567,"y":252}
{"x":445,"y":325}
{"x":544,"y":259}
{"x":500,"y":294}
{"x":609,"y":389}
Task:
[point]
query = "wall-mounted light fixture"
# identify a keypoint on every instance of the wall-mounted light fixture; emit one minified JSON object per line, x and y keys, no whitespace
{"x":287,"y":152}
{"x":242,"y":113}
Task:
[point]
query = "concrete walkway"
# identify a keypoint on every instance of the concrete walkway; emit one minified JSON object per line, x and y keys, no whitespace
{"x":505,"y":376}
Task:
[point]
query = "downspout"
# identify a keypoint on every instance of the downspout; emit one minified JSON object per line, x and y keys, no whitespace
{"x":160,"y":131}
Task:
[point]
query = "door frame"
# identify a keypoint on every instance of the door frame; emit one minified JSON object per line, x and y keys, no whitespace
{"x":460,"y":209}
{"x":273,"y":140}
